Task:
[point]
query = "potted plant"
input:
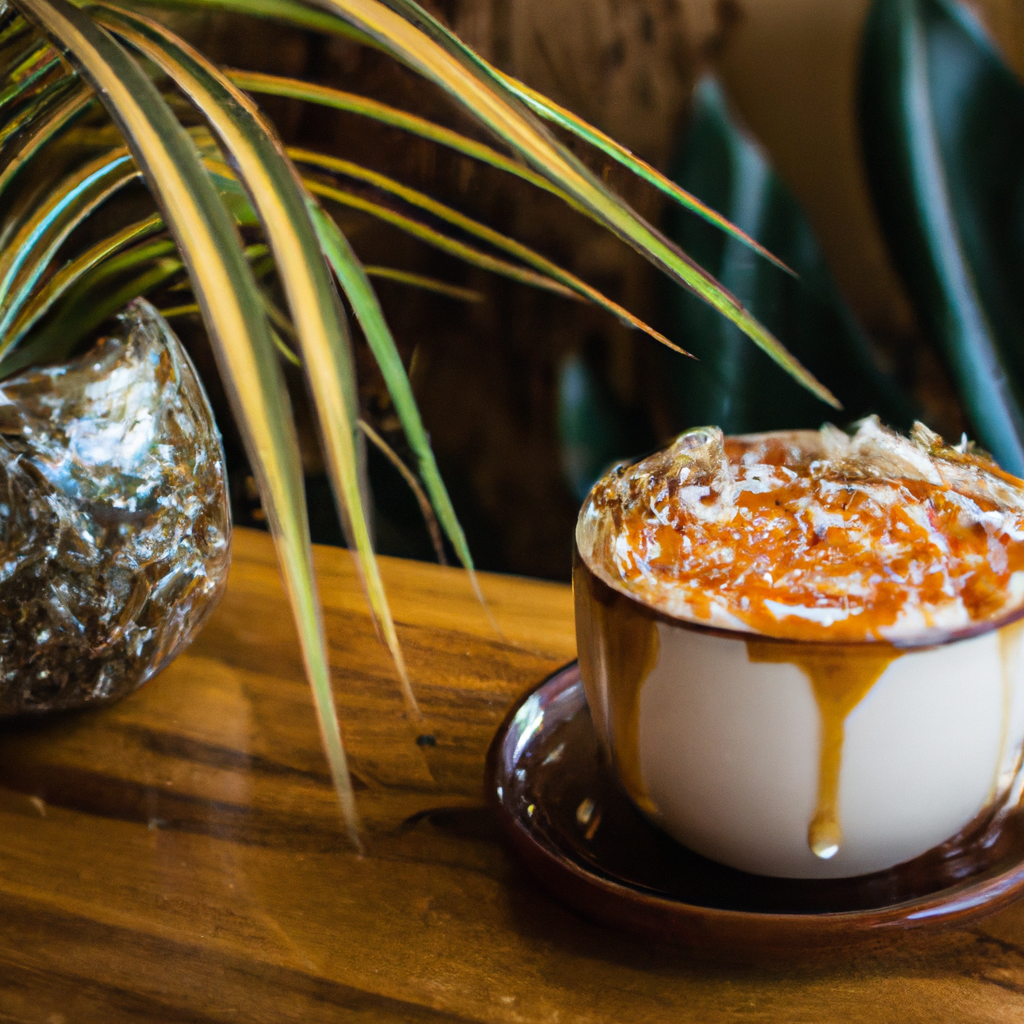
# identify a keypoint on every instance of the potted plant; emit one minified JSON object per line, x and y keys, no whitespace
{"x":92,"y":101}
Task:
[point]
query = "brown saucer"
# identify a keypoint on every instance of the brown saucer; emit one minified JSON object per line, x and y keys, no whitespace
{"x":576,"y":830}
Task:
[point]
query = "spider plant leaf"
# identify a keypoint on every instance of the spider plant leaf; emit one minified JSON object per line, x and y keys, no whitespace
{"x":36,"y":65}
{"x":551,"y":276}
{"x":189,"y":309}
{"x":37,"y":108}
{"x":291,"y":12}
{"x":429,"y":284}
{"x":942,"y":125}
{"x":360,"y":293}
{"x":733,"y":384}
{"x":229,"y":298}
{"x":427,"y":234}
{"x":551,"y":111}
{"x":419,"y":41}
{"x":414,"y":485}
{"x":21,"y":58}
{"x":405,"y":31}
{"x":30,"y":251}
{"x":279,"y":200}
{"x":473,"y":227}
{"x":98,"y":294}
{"x":277,"y":86}
{"x":78,"y":317}
{"x":228,"y":183}
{"x":17,"y":26}
{"x":43,"y":298}
{"x":336,"y":99}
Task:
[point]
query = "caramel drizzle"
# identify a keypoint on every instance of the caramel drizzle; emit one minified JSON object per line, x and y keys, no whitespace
{"x":626,"y":637}
{"x":1009,"y":648}
{"x":840,"y":677}
{"x":632,"y":647}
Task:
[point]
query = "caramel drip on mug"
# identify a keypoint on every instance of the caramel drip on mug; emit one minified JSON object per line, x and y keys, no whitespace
{"x":1009,"y":655}
{"x":841,"y":677}
{"x":632,"y":652}
{"x":625,"y":637}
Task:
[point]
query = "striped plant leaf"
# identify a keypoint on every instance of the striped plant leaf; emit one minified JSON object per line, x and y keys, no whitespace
{"x":539,"y":104}
{"x":26,"y":71}
{"x":429,"y":284}
{"x":291,"y":12}
{"x":360,"y":293}
{"x":405,"y":31}
{"x":102,"y":291}
{"x":35,"y":106}
{"x":473,"y":227}
{"x":336,"y":99}
{"x":409,"y":477}
{"x":29,"y":252}
{"x":566,"y":119}
{"x":42,"y":299}
{"x":228,"y":296}
{"x":17,"y":26}
{"x":445,"y":243}
{"x":224,"y":175}
{"x":278,"y":198}
{"x":188,"y":309}
{"x":274,"y":85}
{"x":97,"y":296}
{"x":357,"y":288}
{"x":419,"y":41}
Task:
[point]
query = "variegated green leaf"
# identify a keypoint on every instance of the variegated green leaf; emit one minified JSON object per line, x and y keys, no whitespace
{"x":371,"y":318}
{"x":473,"y":227}
{"x":429,"y":284}
{"x":420,"y":41}
{"x":28,"y":255}
{"x":408,"y":33}
{"x":42,"y":299}
{"x":278,"y":198}
{"x":97,"y":296}
{"x":229,"y":299}
{"x":414,"y":485}
{"x":419,"y":230}
{"x":336,"y":99}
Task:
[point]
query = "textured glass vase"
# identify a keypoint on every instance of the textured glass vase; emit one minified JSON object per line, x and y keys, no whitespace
{"x":115,"y":528}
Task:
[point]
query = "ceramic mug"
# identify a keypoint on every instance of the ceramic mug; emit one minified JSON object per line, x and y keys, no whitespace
{"x":800,"y":759}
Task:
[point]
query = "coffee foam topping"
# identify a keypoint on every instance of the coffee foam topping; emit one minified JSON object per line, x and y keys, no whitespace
{"x":817,"y":535}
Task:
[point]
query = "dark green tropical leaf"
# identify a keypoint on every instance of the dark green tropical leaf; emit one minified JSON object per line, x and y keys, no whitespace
{"x":942,"y":125}
{"x":734,"y":385}
{"x":594,"y":427}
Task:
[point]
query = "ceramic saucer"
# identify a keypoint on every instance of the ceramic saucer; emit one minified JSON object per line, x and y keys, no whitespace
{"x":581,"y":836}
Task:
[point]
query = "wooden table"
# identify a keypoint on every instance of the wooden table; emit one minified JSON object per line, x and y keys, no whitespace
{"x":178,"y":857}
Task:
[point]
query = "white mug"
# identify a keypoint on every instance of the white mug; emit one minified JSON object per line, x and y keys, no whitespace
{"x":725,"y":741}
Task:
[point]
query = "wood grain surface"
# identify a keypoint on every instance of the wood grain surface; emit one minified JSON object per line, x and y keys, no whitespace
{"x":178,"y":857}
